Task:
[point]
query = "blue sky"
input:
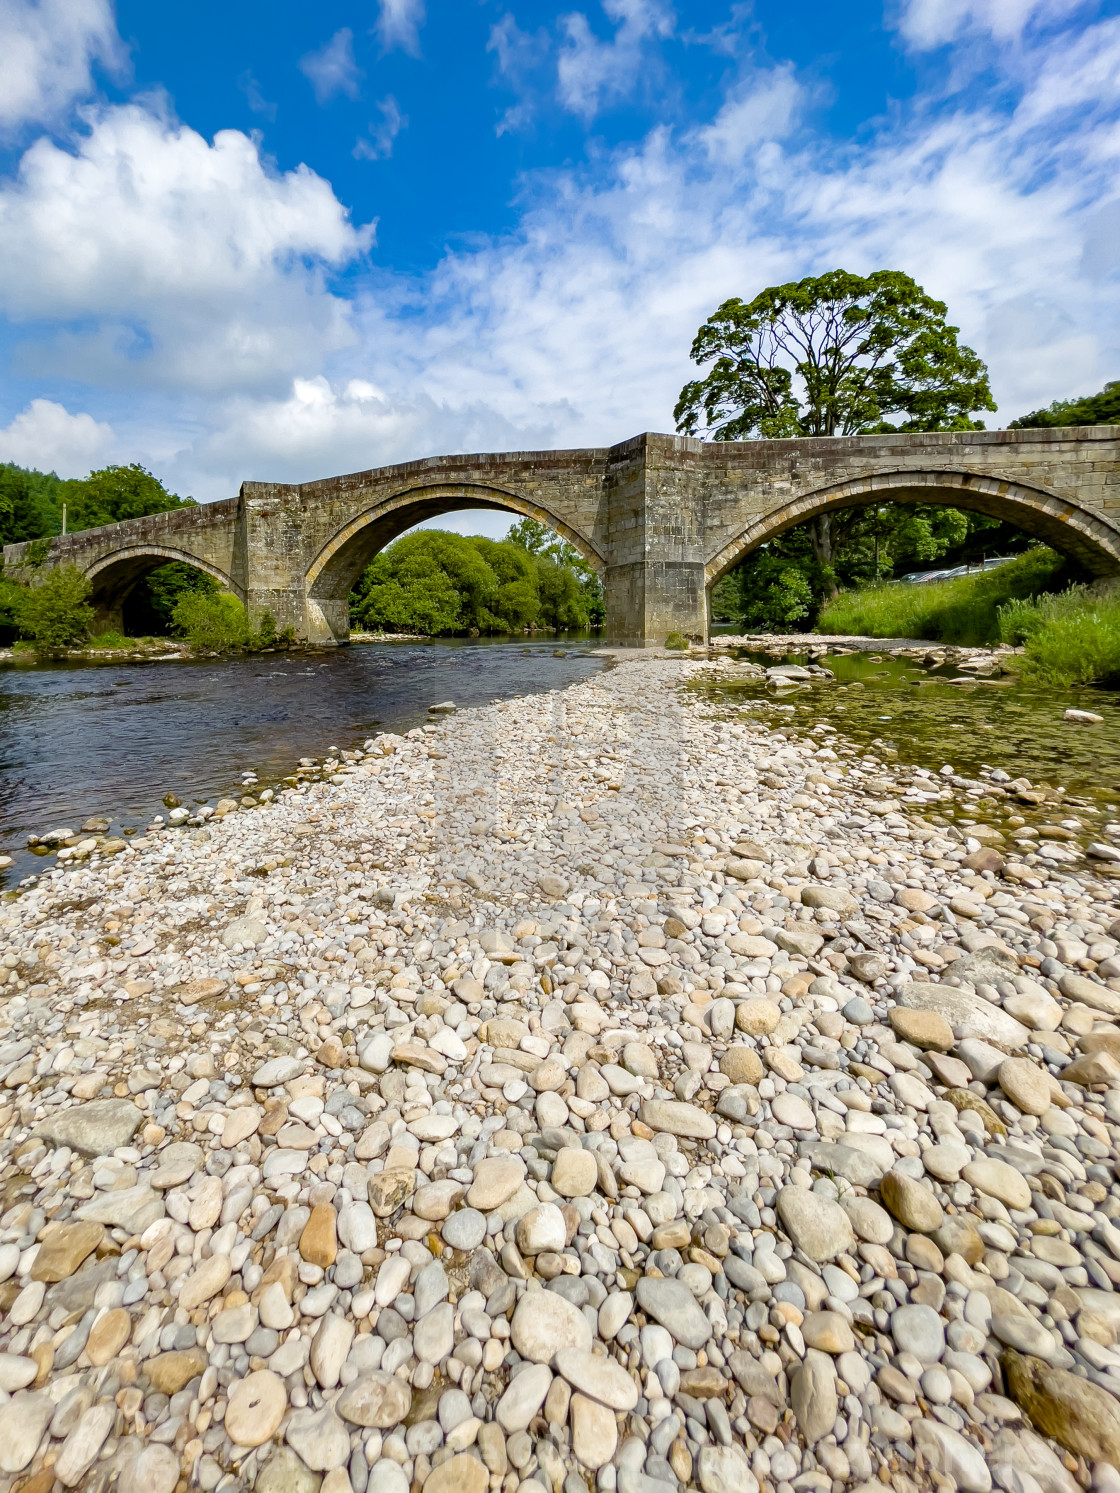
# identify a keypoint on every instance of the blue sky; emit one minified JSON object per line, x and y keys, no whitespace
{"x":282,"y":241}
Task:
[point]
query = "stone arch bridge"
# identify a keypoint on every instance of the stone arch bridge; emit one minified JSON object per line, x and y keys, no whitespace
{"x":660,"y":517}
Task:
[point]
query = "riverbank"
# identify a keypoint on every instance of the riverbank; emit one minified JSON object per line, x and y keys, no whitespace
{"x":336,"y":1135}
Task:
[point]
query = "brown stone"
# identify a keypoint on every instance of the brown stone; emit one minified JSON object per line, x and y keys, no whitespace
{"x":1080,"y":1415}
{"x":318,"y":1244}
{"x":63,"y":1250}
{"x":741,"y":1064}
{"x":703,"y":1384}
{"x":925,"y":1029}
{"x":985,"y":859}
{"x":170,"y":1371}
{"x":108,"y":1336}
{"x":962,"y":1099}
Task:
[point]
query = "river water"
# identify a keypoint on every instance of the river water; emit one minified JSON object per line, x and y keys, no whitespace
{"x":111,"y":739}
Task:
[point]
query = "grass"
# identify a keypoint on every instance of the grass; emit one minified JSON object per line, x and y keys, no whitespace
{"x":965,"y":610}
{"x":1069,"y":636}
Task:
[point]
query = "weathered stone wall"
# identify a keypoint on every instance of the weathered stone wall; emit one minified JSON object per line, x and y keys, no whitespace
{"x":660,"y":517}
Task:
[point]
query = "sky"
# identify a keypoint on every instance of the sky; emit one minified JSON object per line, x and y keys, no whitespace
{"x":281,"y":242}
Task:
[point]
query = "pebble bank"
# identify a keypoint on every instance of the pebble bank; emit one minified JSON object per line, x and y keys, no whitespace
{"x":596,"y":1090}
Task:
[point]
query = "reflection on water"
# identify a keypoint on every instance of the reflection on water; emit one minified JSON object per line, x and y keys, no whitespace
{"x":896,"y":708}
{"x":112,"y":739}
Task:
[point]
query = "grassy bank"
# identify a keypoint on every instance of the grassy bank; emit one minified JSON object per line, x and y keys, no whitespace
{"x":1070,"y":636}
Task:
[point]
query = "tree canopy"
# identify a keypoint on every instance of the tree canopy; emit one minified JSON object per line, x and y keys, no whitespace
{"x":1090,"y":409}
{"x":835,"y":354}
{"x":434,"y":582}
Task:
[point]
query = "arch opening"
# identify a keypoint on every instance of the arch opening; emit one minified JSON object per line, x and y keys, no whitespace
{"x":1084,"y":538}
{"x":337,"y":568}
{"x":123,"y":604}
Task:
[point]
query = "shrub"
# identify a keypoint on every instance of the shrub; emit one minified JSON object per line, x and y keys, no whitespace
{"x":214,"y":622}
{"x":110,"y":640}
{"x":677,"y":642}
{"x":56,"y":613}
{"x":1073,"y":638}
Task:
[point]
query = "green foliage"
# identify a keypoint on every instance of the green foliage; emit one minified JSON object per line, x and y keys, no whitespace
{"x":113,"y":494}
{"x":1090,"y":409}
{"x":27,"y":508}
{"x":770,"y":594}
{"x":434,"y":583}
{"x":109,"y":640}
{"x":836,"y":354}
{"x":214,"y":622}
{"x":1073,"y":638}
{"x":37,"y":552}
{"x":150,"y":606}
{"x":676,"y":642}
{"x":966,"y":610}
{"x":56,"y":614}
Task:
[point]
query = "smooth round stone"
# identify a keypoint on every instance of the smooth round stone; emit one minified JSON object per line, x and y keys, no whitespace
{"x":946,"y":1161}
{"x":870,"y":1222}
{"x":925,"y":1029}
{"x":544,"y":1323}
{"x":387,"y":1477}
{"x":256,"y":1407}
{"x":601,"y":1378}
{"x":551,"y":1110}
{"x":953,"y":1455}
{"x":542,"y":1228}
{"x":789,"y":1109}
{"x":108,"y":1336}
{"x":465,"y":1229}
{"x":17,"y":1372}
{"x":496,"y":1179}
{"x":912,"y":1204}
{"x":999,"y":1180}
{"x":858,"y":1011}
{"x":673,"y":1305}
{"x":937,"y":1386}
{"x":594,"y":1431}
{"x":462,"y":1474}
{"x":523,"y":1398}
{"x":816,"y":1224}
{"x":1026,"y":1085}
{"x":155,"y":1470}
{"x":376,"y":1399}
{"x":740,"y":1063}
{"x":319,"y":1438}
{"x":758,"y":1018}
{"x":574,"y":1172}
{"x":920,"y":1331}
{"x":1015,"y":1330}
{"x":22,"y":1423}
{"x":828,"y":1331}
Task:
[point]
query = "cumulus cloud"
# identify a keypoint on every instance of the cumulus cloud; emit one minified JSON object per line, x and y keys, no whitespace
{"x":332,"y":68}
{"x":926,"y":24}
{"x":590,"y":73}
{"x":154,"y":255}
{"x":398,"y":25}
{"x":47,"y":50}
{"x":47,"y":436}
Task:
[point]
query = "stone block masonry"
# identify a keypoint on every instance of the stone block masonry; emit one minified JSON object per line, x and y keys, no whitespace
{"x":660,"y":517}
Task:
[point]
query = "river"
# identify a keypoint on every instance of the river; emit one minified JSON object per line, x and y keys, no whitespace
{"x":110,"y":740}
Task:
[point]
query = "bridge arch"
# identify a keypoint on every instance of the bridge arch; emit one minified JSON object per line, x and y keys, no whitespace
{"x":114,"y":575}
{"x":1063,"y":525}
{"x":334,"y":571}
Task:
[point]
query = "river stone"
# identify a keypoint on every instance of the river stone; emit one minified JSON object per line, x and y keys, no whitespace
{"x":170,"y":1371}
{"x":464,"y":1473}
{"x":912,"y":1204}
{"x":433,"y":1337}
{"x":869,"y":1221}
{"x":812,"y":1394}
{"x":94,"y":1129}
{"x":952,"y":1455}
{"x":523,"y":1398}
{"x":465,"y":1229}
{"x":132,"y":1208}
{"x":318,"y":1244}
{"x":250,"y":933}
{"x":329,"y":1348}
{"x":62,"y":1251}
{"x":80,"y":1449}
{"x":594,"y":1432}
{"x":998,"y":1180}
{"x":542,"y":1229}
{"x":741,"y":1064}
{"x":108,"y":1336}
{"x":724,"y":1469}
{"x":179,"y":1161}
{"x":676,"y":1118}
{"x":925,"y":1029}
{"x":545,"y":1322}
{"x":23,"y":1419}
{"x":1026,"y":1085}
{"x":574,"y":1172}
{"x":376,"y":1399}
{"x":758,"y":1018}
{"x":828,"y":1331}
{"x":969,"y":1015}
{"x":919,"y":1330}
{"x":205,"y":1281}
{"x":199,"y":990}
{"x":835,"y":898}
{"x":285,"y":1473}
{"x":154,"y":1470}
{"x":815,"y":1224}
{"x":277,"y":1071}
{"x":860,"y":1168}
{"x":671,"y":1303}
{"x":598,"y":1376}
{"x":1080,"y":1415}
{"x":319,"y":1438}
{"x":17,"y":1372}
{"x":496,"y":1179}
{"x":1025,"y":1334}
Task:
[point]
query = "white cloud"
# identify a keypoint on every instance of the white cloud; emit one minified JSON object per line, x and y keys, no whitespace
{"x":398,"y":25}
{"x":591,"y":74}
{"x":377,"y":145}
{"x":926,"y":24}
{"x":332,"y":68}
{"x":47,"y":50}
{"x":47,"y":436}
{"x":160,"y":257}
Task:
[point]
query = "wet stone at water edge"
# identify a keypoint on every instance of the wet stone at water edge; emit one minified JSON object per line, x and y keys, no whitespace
{"x":594,"y":1090}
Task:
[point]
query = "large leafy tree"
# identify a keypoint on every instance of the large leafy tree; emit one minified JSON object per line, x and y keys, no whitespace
{"x":835,"y":354}
{"x":562,"y":572}
{"x":113,"y":494}
{"x":1090,"y":409}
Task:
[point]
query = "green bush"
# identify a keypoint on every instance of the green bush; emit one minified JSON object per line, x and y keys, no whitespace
{"x":965,"y":610}
{"x":214,"y":622}
{"x":677,"y":642}
{"x":110,"y":640}
{"x":56,"y":614}
{"x":1073,"y":638}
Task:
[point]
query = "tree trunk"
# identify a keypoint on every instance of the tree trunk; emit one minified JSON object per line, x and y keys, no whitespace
{"x":820,"y":537}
